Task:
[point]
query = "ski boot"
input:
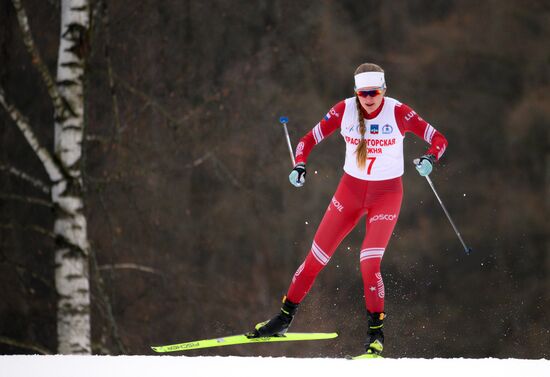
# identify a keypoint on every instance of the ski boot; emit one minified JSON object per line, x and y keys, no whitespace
{"x":278,"y":325}
{"x":375,"y":336}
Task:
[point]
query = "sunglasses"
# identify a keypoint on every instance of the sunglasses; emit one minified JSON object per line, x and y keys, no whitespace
{"x":371,"y":93}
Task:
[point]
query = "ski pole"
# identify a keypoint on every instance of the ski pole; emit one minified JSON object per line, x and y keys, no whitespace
{"x":284,"y":121}
{"x":467,"y":249}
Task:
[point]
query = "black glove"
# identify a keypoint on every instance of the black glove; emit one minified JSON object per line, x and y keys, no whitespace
{"x":298,"y":175}
{"x":424,"y":164}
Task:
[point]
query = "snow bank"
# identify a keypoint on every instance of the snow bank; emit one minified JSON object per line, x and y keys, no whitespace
{"x":168,"y":366}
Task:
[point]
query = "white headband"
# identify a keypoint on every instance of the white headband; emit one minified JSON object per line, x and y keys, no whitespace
{"x":370,"y":79}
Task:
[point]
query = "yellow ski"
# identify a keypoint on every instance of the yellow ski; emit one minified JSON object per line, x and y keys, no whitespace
{"x":241,"y":339}
{"x":366,"y":356}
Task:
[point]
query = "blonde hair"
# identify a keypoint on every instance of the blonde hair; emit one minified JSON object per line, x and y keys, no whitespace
{"x":361,"y":151}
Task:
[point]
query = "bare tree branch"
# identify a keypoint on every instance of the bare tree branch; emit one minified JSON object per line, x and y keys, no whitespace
{"x":174,"y":122}
{"x":20,"y":268}
{"x":101,"y":284}
{"x":34,"y":228}
{"x":39,"y":184}
{"x":52,"y":168}
{"x":149,"y":101}
{"x":54,"y":3}
{"x":199,"y":160}
{"x":221,"y":166}
{"x":107,"y":304}
{"x":59,"y":104}
{"x":27,"y":199}
{"x":218,"y":164}
{"x":98,"y":139}
{"x":129,"y":266}
{"x":107,"y":51}
{"x":24,"y":345}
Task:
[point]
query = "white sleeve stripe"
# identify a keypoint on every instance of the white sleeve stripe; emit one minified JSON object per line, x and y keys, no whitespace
{"x":432,"y":134}
{"x":441,"y":152}
{"x":317,"y":133}
{"x":429,"y":133}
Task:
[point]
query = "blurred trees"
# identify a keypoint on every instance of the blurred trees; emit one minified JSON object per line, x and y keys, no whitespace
{"x":63,"y":168}
{"x":196,"y":229}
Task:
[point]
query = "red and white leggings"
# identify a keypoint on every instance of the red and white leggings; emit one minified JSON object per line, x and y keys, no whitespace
{"x":381,"y":202}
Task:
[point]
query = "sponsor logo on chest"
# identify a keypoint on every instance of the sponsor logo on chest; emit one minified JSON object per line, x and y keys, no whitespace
{"x":387,"y":129}
{"x":372,"y":129}
{"x":377,"y":136}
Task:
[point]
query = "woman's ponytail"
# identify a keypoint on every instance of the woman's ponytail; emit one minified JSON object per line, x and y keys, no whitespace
{"x":361,"y":153}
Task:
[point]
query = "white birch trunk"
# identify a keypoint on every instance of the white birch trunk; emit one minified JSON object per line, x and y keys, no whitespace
{"x":71,"y":255}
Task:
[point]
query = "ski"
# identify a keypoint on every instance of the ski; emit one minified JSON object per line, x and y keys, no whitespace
{"x":365,"y":356}
{"x":241,"y":339}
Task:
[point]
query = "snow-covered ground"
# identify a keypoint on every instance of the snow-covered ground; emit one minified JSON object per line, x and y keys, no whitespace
{"x":168,"y":366}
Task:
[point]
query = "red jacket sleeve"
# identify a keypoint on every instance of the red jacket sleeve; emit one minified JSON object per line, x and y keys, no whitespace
{"x":323,"y":129}
{"x":409,"y":121}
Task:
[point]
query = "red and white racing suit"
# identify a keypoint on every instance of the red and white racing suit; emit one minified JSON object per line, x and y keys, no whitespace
{"x":375,"y":191}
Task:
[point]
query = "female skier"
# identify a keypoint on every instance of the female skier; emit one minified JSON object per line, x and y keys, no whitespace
{"x":373,"y":127}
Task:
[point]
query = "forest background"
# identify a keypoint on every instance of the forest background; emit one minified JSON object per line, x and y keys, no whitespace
{"x":194,"y":227}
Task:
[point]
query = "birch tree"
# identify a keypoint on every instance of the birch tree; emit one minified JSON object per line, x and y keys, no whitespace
{"x":64,"y":168}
